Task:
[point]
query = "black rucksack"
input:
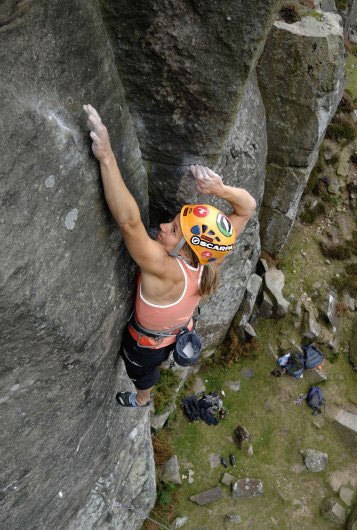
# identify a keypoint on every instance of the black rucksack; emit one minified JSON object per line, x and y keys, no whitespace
{"x":295,"y":365}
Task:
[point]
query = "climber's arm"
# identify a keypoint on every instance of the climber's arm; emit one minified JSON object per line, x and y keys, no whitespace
{"x":242,"y":202}
{"x":148,"y":254}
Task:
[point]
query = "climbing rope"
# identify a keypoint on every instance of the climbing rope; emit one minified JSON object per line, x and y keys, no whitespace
{"x":132,"y":508}
{"x":300,"y":399}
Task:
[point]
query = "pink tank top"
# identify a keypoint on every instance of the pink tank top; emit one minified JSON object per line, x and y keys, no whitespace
{"x":175,"y":315}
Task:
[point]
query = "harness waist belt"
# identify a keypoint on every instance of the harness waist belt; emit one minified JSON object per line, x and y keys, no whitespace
{"x":155,"y":334}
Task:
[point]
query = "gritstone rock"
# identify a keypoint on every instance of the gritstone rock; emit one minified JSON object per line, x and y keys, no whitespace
{"x":311,"y":328}
{"x":179,"y":522}
{"x":294,"y":52}
{"x":233,"y":519}
{"x":274,"y":280}
{"x":227,"y":479}
{"x":206,"y":497}
{"x":346,"y":495}
{"x":344,"y":477}
{"x":171,"y":471}
{"x":262,"y":267}
{"x":347,"y":424}
{"x":314,"y":460}
{"x":330,"y":310}
{"x":245,"y":311}
{"x":234,"y":385}
{"x":214,"y":460}
{"x":266,"y":306}
{"x":247,"y":487}
{"x":333,"y":511}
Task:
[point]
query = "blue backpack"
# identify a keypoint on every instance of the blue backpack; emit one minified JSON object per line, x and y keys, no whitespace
{"x":313,"y":356}
{"x":315,"y":400}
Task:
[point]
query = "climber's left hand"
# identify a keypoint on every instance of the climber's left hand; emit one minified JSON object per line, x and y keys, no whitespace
{"x":207,"y":181}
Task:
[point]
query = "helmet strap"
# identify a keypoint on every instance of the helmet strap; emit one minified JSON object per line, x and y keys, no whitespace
{"x":175,"y":252}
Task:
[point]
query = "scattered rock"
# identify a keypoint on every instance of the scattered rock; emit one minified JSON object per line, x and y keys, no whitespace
{"x":318,"y":421}
{"x":333,"y":186}
{"x":250,"y":450}
{"x":248,"y":373}
{"x":314,"y":460}
{"x":330,"y":310}
{"x":333,"y":511}
{"x":206,"y":497}
{"x":346,"y":495}
{"x":198,"y":385}
{"x":343,"y":477}
{"x":241,"y":435}
{"x":274,"y":280}
{"x":190,"y":476}
{"x":179,"y":522}
{"x":349,"y":301}
{"x":249,"y":331}
{"x":344,"y":162}
{"x":247,"y":487}
{"x":171,"y":471}
{"x":157,"y":421}
{"x":314,"y":376}
{"x":234,"y":385}
{"x":233,"y":519}
{"x":298,"y":468}
{"x":348,"y":422}
{"x":214,"y":460}
{"x":311,"y":328}
{"x":227,"y":479}
{"x":266,"y":306}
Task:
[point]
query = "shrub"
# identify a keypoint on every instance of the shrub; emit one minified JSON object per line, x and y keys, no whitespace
{"x":338,"y":251}
{"x":341,"y":5}
{"x":341,"y":129}
{"x":309,"y":215}
{"x":164,"y":389}
{"x":289,"y":13}
{"x":346,"y":103}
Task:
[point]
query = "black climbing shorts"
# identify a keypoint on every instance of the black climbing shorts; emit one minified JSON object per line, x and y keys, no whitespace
{"x":143,"y":364}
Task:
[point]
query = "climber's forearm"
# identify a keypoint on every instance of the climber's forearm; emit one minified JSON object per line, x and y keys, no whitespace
{"x":240,"y":199}
{"x":121,"y":203}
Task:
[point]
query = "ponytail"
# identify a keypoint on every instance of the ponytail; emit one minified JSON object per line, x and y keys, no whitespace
{"x":210,"y":273}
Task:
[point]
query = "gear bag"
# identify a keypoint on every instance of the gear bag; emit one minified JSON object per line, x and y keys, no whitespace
{"x":313,"y":357}
{"x":315,"y":400}
{"x":295,"y":365}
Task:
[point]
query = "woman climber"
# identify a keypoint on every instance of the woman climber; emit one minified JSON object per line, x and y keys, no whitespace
{"x":176,"y":269}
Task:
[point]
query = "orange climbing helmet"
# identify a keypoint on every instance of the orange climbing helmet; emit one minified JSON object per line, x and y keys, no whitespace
{"x":207,"y":231}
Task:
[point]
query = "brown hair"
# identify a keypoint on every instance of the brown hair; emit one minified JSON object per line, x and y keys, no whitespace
{"x":210,"y":274}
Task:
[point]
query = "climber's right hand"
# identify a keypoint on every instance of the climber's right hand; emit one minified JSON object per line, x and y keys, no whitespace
{"x":98,"y":132}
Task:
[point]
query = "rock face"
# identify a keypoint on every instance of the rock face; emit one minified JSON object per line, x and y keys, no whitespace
{"x":66,"y":280}
{"x":297,"y":113}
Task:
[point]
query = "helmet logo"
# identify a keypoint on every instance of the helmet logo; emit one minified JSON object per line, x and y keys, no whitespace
{"x":201,"y":211}
{"x":197,"y":241}
{"x":224,"y":225}
{"x":196,"y":230}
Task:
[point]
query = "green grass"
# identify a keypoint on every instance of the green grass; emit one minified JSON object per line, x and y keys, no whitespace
{"x":351,"y":75}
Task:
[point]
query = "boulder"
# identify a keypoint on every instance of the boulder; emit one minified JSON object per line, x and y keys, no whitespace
{"x":311,"y":328}
{"x":333,"y":511}
{"x":171,"y":471}
{"x":266,"y":307}
{"x":314,"y":460}
{"x":234,"y":385}
{"x":179,"y":522}
{"x":247,"y":487}
{"x":347,"y":425}
{"x":346,"y":495}
{"x":274,"y":280}
{"x":301,"y":77}
{"x":214,"y":460}
{"x":227,"y":479}
{"x":344,"y":477}
{"x":245,"y":311}
{"x":330,"y":310}
{"x":206,"y":497}
{"x":233,"y":519}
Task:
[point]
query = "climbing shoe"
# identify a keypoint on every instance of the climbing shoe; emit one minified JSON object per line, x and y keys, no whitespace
{"x":128,"y":399}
